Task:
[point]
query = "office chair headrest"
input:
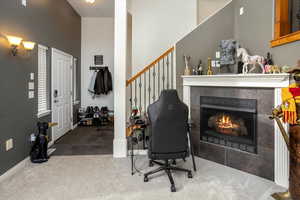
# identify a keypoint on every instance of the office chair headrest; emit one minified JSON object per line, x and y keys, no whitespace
{"x":169,"y":95}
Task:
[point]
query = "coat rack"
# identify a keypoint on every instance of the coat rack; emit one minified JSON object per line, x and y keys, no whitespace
{"x":98,"y":67}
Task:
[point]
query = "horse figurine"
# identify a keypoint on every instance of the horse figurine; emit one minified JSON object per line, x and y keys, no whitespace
{"x":250,"y":60}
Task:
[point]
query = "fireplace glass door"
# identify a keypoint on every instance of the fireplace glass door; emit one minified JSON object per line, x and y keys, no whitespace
{"x":229,"y":122}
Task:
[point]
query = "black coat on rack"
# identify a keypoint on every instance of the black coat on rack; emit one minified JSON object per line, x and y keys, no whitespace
{"x":103,"y":82}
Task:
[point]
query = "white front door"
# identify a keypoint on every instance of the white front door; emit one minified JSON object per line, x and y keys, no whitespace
{"x":61,"y":93}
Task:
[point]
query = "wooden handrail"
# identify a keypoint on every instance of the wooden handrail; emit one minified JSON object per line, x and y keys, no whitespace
{"x":149,"y":66}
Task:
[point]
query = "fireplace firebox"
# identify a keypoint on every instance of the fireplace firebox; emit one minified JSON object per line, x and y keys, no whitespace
{"x":229,"y":122}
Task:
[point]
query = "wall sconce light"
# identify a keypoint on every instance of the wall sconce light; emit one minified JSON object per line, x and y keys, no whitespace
{"x":28,"y":45}
{"x":14,"y":42}
{"x":90,"y":1}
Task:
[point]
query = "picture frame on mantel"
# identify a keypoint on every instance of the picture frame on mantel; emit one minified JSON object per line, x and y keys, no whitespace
{"x":227,"y":57}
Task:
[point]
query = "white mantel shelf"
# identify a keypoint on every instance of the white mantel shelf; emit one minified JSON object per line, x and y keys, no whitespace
{"x":239,"y":80}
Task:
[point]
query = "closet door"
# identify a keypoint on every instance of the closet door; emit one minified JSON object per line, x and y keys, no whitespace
{"x":61,"y":93}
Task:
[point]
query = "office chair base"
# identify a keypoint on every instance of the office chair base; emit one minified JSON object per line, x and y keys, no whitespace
{"x":146,"y":179}
{"x":167,"y":168}
{"x":173,"y":188}
{"x":151,"y":163}
{"x":173,"y":162}
{"x":190,"y":175}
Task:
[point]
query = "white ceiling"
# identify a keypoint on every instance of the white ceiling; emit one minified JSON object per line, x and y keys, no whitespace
{"x":101,"y":8}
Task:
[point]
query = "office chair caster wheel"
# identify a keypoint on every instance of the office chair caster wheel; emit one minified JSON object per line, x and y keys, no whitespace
{"x":190,"y":175}
{"x":173,"y":188}
{"x":146,"y":179}
{"x":174,"y":162}
{"x":151,"y":164}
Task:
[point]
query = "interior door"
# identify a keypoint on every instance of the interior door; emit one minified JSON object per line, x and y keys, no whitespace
{"x":61,"y":92}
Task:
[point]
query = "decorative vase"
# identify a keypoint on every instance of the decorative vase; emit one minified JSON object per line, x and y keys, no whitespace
{"x":187,"y":71}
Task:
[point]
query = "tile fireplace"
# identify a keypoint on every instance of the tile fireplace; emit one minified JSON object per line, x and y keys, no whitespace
{"x":229,"y":122}
{"x":223,"y":137}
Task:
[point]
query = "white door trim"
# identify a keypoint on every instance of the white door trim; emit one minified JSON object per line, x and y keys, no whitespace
{"x":72,"y":91}
{"x":52,"y":85}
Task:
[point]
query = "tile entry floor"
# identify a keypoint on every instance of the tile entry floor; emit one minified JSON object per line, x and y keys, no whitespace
{"x":86,"y":141}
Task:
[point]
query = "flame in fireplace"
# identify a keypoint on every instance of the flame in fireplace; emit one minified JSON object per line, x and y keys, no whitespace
{"x":225,"y":122}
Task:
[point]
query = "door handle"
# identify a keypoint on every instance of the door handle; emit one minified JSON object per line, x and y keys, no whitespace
{"x":55,"y":101}
{"x":55,"y":93}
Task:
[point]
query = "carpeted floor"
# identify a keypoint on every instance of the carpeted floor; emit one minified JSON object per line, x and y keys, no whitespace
{"x":86,"y":141}
{"x":100,"y":177}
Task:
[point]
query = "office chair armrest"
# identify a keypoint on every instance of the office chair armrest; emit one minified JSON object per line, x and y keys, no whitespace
{"x":189,"y":125}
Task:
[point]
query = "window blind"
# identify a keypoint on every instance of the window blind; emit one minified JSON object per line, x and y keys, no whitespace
{"x":43,"y":101}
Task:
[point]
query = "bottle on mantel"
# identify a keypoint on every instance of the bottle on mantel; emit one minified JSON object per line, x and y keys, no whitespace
{"x":200,"y":68}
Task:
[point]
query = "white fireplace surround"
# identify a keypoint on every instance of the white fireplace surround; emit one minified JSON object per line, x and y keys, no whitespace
{"x":275,"y":81}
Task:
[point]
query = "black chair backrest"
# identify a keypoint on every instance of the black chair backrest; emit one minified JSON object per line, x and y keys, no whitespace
{"x":168,"y":119}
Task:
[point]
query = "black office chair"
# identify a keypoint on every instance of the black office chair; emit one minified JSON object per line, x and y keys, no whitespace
{"x":169,"y":132}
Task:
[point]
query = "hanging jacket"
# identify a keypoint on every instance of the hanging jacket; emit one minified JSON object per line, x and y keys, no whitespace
{"x":107,"y":81}
{"x":92,"y":83}
{"x":103,"y":83}
{"x":99,"y":83}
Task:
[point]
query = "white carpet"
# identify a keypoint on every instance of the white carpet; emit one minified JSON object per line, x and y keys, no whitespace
{"x":102,"y":177}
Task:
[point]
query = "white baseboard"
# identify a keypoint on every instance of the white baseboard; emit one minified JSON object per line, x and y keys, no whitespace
{"x":50,"y":143}
{"x":120,"y":148}
{"x":74,"y":126}
{"x":138,"y":152}
{"x":51,"y":151}
{"x":12,"y":171}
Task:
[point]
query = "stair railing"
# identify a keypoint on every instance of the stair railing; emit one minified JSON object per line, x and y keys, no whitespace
{"x":145,"y":87}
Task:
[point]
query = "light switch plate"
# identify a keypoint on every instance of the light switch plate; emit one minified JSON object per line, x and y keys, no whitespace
{"x":218,"y":54}
{"x":32,"y":137}
{"x":24,"y":3}
{"x":31,"y":94}
{"x":31,"y":85}
{"x":213,"y":63}
{"x":241,"y":10}
{"x":31,"y":76}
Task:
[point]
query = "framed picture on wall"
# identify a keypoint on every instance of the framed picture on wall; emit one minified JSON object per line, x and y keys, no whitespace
{"x":98,"y":59}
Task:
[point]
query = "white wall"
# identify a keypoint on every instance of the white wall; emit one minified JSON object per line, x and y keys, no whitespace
{"x":209,"y":7}
{"x":97,"y":39}
{"x":157,"y":26}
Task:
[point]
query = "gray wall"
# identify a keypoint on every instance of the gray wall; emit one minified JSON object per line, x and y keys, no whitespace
{"x":209,"y":7}
{"x":254,"y":30}
{"x":204,"y":40}
{"x":48,"y":22}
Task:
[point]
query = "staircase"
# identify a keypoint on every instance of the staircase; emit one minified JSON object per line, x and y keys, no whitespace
{"x":145,"y":87}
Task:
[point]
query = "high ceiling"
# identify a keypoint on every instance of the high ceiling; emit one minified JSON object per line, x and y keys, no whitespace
{"x":101,"y":8}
